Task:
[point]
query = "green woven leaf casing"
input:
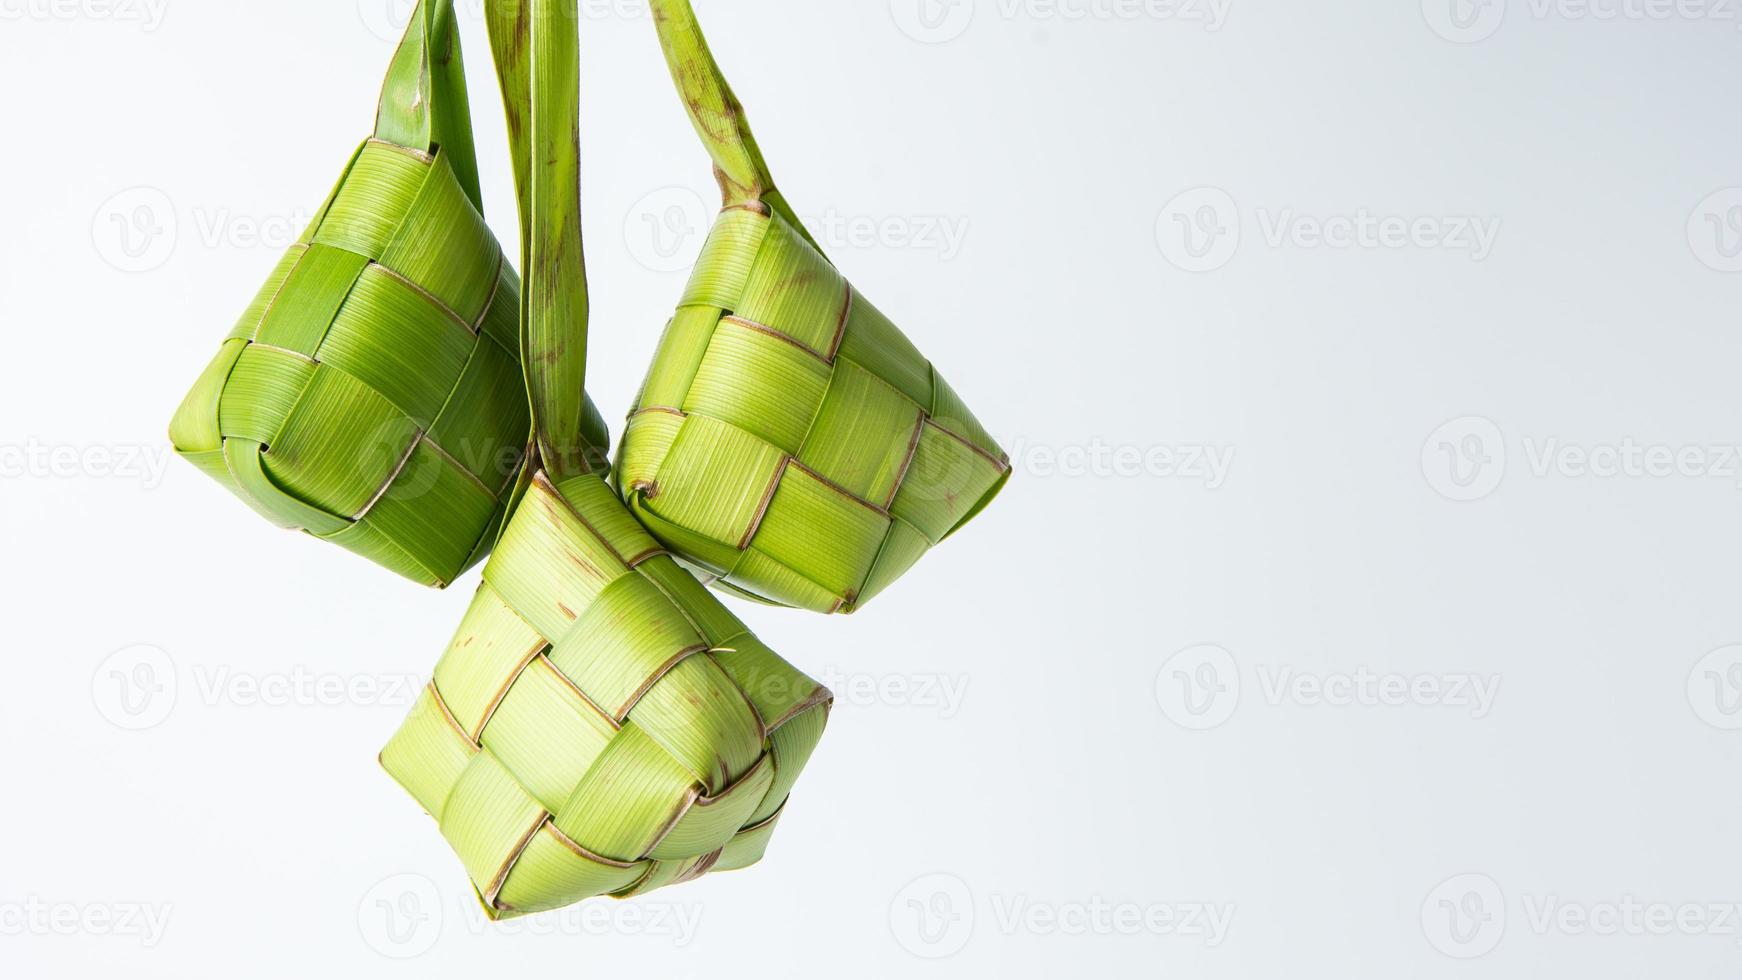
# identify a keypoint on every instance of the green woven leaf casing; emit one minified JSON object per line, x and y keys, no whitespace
{"x":600,"y":724}
{"x":372,"y":393}
{"x":789,"y":441}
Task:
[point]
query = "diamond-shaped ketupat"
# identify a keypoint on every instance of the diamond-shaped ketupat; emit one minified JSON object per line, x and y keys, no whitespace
{"x":601,"y":724}
{"x":372,"y":393}
{"x":789,"y":441}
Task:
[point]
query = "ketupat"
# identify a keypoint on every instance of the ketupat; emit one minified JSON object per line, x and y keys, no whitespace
{"x":600,"y":723}
{"x":789,"y":441}
{"x":371,"y":394}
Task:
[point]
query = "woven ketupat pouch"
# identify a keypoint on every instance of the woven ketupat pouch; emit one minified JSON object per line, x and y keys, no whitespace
{"x":372,"y":393}
{"x":789,"y":440}
{"x":600,"y":724}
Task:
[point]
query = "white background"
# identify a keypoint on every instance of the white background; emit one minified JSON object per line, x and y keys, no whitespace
{"x":1131,"y":234}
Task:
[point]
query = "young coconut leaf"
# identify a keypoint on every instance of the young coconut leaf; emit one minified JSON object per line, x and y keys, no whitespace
{"x":371,"y":394}
{"x":600,"y":724}
{"x":789,"y":441}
